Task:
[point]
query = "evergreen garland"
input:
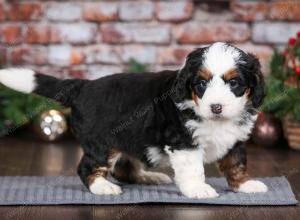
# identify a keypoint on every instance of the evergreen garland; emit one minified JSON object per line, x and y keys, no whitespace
{"x":136,"y":67}
{"x":283,"y":83}
{"x":18,"y":109}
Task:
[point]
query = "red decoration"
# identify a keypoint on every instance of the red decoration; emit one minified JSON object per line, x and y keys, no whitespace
{"x":297,"y":69}
{"x":261,"y":114}
{"x":267,"y":130}
{"x":298,"y":34}
{"x":292,"y":78}
{"x":292,"y":41}
{"x":285,"y":53}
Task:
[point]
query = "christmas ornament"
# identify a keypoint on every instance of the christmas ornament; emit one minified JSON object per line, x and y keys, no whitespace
{"x":297,"y":69}
{"x":292,"y":41}
{"x":267,"y":130}
{"x":298,"y":34}
{"x":51,"y":125}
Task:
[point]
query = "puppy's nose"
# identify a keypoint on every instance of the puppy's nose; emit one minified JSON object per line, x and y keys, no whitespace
{"x":216,"y":108}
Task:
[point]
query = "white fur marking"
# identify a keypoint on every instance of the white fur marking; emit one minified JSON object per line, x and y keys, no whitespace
{"x":220,"y":58}
{"x":216,"y":137}
{"x":150,"y":177}
{"x":189,"y":173}
{"x":113,"y":160}
{"x":157,"y":158}
{"x":153,"y":155}
{"x":252,"y":186}
{"x":102,"y":186}
{"x":22,"y":80}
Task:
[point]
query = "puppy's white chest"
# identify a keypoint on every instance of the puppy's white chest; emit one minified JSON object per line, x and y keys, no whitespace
{"x":216,"y":138}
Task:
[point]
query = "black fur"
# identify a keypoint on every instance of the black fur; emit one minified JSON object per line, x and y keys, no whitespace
{"x":130,"y":112}
{"x":251,"y":71}
{"x":127,"y":112}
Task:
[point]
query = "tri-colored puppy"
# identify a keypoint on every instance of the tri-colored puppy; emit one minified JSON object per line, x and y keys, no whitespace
{"x":127,"y":122}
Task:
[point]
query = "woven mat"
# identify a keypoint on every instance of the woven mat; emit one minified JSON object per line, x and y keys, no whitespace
{"x":54,"y":190}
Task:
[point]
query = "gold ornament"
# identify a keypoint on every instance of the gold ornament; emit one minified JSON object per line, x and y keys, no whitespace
{"x":51,"y":125}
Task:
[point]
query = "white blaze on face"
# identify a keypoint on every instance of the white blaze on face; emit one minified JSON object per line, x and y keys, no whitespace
{"x":219,"y":59}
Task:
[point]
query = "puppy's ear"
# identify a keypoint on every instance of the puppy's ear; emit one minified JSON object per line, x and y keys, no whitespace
{"x":257,"y":81}
{"x":182,"y":84}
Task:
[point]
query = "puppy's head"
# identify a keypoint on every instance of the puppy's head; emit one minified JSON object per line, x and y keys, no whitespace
{"x":220,"y":81}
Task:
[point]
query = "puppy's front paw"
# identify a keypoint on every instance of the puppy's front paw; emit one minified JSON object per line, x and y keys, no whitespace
{"x":252,"y":186}
{"x":199,"y":191}
{"x":101,"y":186}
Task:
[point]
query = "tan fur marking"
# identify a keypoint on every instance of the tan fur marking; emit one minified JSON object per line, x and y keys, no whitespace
{"x":112,"y":158}
{"x":230,"y":74}
{"x":205,"y":74}
{"x":248,"y":92}
{"x":234,"y":171}
{"x":97,"y":172}
{"x":194,"y":97}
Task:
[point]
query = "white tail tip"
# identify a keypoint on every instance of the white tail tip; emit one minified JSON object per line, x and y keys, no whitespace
{"x":22,"y":80}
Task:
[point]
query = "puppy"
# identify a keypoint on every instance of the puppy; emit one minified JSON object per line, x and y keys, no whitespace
{"x":127,"y":122}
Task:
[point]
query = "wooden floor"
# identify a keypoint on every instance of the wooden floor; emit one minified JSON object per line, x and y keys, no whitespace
{"x":24,"y":155}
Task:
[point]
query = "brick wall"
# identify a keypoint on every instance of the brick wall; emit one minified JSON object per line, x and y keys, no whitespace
{"x":89,"y":39}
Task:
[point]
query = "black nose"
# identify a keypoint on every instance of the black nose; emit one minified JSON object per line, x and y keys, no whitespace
{"x":216,"y":108}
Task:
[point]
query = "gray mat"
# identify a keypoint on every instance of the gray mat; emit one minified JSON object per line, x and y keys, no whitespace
{"x":69,"y":190}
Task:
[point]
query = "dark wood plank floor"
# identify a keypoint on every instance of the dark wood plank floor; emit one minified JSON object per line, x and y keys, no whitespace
{"x":25,"y":155}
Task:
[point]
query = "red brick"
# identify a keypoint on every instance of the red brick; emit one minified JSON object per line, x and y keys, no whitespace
{"x":173,"y":55}
{"x":24,"y":11}
{"x":60,"y":55}
{"x":41,"y":34}
{"x":11,"y":34}
{"x":77,"y":57}
{"x":3,"y":53}
{"x":63,"y":11}
{"x":28,"y":55}
{"x":285,"y":10}
{"x":197,"y":33}
{"x":136,"y":10}
{"x":77,"y":33}
{"x":274,"y":32}
{"x":174,"y":11}
{"x":250,"y":10}
{"x":102,"y":54}
{"x":141,"y":53}
{"x":113,"y":34}
{"x":2,"y":15}
{"x":98,"y":71}
{"x":104,"y":11}
{"x":78,"y":72}
{"x":135,"y":32}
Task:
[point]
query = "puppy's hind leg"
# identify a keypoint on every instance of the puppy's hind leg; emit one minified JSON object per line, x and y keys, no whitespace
{"x":131,"y":170}
{"x":93,"y":175}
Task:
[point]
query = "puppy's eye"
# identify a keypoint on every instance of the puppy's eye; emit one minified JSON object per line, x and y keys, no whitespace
{"x":200,"y":86}
{"x":233,"y":83}
{"x":203,"y":83}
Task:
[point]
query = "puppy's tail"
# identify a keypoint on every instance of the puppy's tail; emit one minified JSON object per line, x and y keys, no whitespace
{"x":27,"y":81}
